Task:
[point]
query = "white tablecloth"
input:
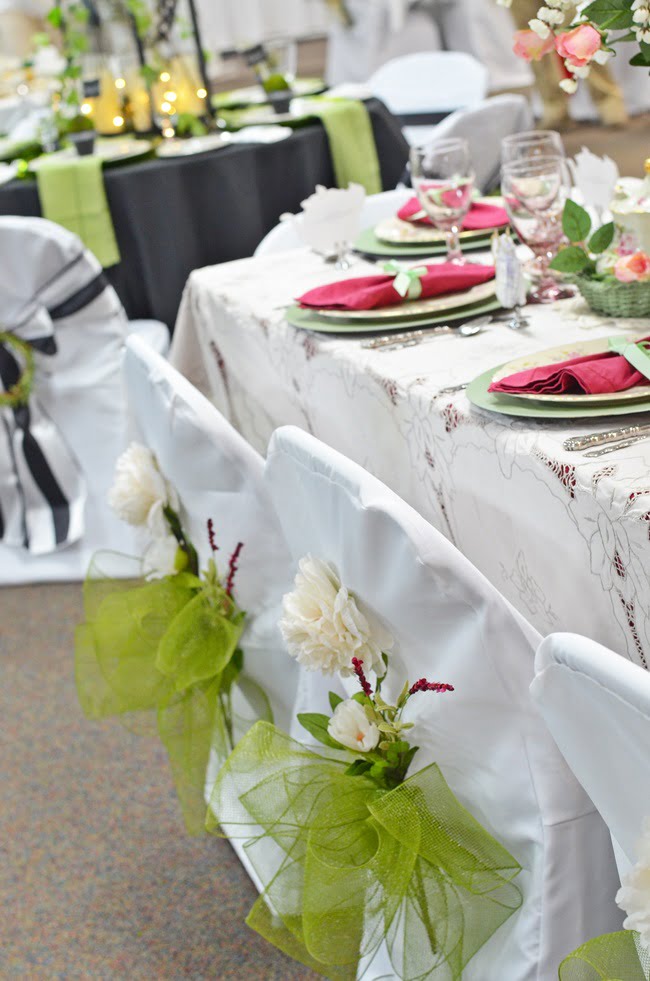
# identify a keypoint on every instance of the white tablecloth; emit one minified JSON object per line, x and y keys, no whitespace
{"x":565,"y":538}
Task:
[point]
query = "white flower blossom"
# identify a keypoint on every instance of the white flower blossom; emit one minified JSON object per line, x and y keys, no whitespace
{"x":550,"y":16}
{"x":323,"y":626}
{"x":540,"y":28}
{"x":351,"y":727}
{"x":602,"y":56}
{"x":569,"y":85}
{"x":504,"y":3}
{"x":580,"y":71}
{"x":634,"y":895}
{"x":139,"y":486}
{"x":159,"y":558}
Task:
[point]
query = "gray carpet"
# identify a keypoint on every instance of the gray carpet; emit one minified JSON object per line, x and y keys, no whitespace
{"x":98,"y":879}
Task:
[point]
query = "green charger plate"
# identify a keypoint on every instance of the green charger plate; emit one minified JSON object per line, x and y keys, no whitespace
{"x":477,"y":393}
{"x":369,"y":244}
{"x":307,"y":320}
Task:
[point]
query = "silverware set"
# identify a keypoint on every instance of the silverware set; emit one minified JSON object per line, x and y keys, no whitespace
{"x":513,"y":319}
{"x":609,"y":441}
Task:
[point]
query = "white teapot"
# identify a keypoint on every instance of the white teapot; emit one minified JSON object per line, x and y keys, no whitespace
{"x":630,"y":209}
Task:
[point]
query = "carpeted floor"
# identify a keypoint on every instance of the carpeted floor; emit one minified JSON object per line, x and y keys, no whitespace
{"x":97,"y":878}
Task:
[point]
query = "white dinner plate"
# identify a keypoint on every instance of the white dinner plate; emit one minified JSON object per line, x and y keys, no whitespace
{"x":110,"y":150}
{"x":7,"y":172}
{"x":177,"y":147}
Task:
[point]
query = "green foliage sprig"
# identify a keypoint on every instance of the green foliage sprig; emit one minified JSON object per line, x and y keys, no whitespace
{"x":579,"y":257}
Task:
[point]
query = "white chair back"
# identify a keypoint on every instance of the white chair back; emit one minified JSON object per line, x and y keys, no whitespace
{"x":430,"y":82}
{"x":51,"y":284}
{"x":597,"y":706}
{"x":451,"y":625}
{"x":484,"y":127}
{"x":218,"y":476}
{"x":376,"y":207}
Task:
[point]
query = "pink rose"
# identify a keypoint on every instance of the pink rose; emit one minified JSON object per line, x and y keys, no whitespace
{"x":579,"y":45}
{"x":633,"y":268}
{"x":530,"y":46}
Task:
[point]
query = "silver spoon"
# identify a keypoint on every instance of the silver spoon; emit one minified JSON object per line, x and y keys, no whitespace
{"x":413,"y":337}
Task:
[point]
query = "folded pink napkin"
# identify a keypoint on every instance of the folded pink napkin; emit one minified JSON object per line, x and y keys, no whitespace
{"x":369,"y":292}
{"x":480,"y":215}
{"x":594,"y":374}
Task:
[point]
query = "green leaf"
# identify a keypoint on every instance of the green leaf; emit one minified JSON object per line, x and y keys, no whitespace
{"x":334,"y":700}
{"x":316,"y":725}
{"x":358,"y":768}
{"x":638,"y":60}
{"x":610,"y":14}
{"x":54,"y":17}
{"x":572,"y":259}
{"x":576,"y":223}
{"x":602,"y":238}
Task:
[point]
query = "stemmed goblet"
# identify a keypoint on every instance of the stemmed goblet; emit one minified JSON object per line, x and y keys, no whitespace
{"x":443,"y":179}
{"x":535,"y":191}
{"x":530,"y":145}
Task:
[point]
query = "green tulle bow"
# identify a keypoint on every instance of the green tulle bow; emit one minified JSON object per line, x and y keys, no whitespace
{"x":612,"y":957}
{"x":346,"y":865}
{"x":167,"y":652}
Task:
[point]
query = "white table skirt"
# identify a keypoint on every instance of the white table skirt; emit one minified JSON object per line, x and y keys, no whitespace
{"x":565,"y":539}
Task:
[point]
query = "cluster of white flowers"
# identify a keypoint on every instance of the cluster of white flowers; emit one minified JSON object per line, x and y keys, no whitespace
{"x":323,"y":626}
{"x":139,"y":496}
{"x":550,"y":15}
{"x":634,"y":895}
{"x":641,"y":17}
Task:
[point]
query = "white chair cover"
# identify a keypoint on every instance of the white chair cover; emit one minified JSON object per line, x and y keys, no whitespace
{"x":430,"y":81}
{"x":375,"y":208}
{"x":483,"y":127}
{"x":451,"y":625}
{"x":51,"y":285}
{"x":597,"y":706}
{"x":219,"y":476}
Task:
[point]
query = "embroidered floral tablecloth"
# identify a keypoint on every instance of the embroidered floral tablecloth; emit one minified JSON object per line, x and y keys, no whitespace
{"x":566,"y":539}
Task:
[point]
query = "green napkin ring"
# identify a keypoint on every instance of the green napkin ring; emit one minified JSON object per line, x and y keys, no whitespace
{"x":636,"y":353}
{"x":19,"y":392}
{"x":408,"y":281}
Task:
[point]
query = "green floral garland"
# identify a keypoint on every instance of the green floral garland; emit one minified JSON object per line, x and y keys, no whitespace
{"x":20,"y":391}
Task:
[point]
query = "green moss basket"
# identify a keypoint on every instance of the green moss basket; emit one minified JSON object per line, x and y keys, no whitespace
{"x":615,"y":299}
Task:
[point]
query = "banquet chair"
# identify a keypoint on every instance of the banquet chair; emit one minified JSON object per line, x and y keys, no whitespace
{"x":218,"y":476}
{"x":376,"y":207}
{"x":54,"y":295}
{"x":484,"y":126}
{"x":597,"y":707}
{"x":422,"y":88}
{"x":450,"y":625}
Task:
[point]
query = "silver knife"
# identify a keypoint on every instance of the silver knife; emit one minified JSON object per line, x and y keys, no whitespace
{"x":621,"y":445}
{"x":412,"y":337}
{"x":610,"y":436}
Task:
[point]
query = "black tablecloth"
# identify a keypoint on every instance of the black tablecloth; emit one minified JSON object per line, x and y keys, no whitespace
{"x":173,"y":216}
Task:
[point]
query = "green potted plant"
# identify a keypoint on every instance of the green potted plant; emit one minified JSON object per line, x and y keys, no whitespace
{"x":613,"y":281}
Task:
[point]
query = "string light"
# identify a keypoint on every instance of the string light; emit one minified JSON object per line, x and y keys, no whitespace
{"x":165,"y":107}
{"x":202,"y":93}
{"x":165,"y":77}
{"x":170,"y":96}
{"x":118,"y":121}
{"x":120,"y":83}
{"x":168,"y":132}
{"x":86,"y":108}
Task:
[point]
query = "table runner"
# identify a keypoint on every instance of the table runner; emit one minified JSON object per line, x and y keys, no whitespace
{"x":564,"y":538}
{"x":71,"y":193}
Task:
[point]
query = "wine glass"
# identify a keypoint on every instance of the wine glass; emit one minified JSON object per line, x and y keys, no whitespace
{"x":535,"y":191}
{"x":533,"y":143}
{"x":444,"y":181}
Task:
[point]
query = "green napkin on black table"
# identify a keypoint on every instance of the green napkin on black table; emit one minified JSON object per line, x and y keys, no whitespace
{"x":72,"y":194}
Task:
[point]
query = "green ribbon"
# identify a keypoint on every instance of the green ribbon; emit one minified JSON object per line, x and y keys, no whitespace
{"x":408,"y":280}
{"x":612,"y":957}
{"x":636,"y":353}
{"x":164,"y":658}
{"x":346,"y":865}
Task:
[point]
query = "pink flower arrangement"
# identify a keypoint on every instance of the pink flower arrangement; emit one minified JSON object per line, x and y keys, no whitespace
{"x":579,"y":45}
{"x":531,"y":47}
{"x":634,"y":268}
